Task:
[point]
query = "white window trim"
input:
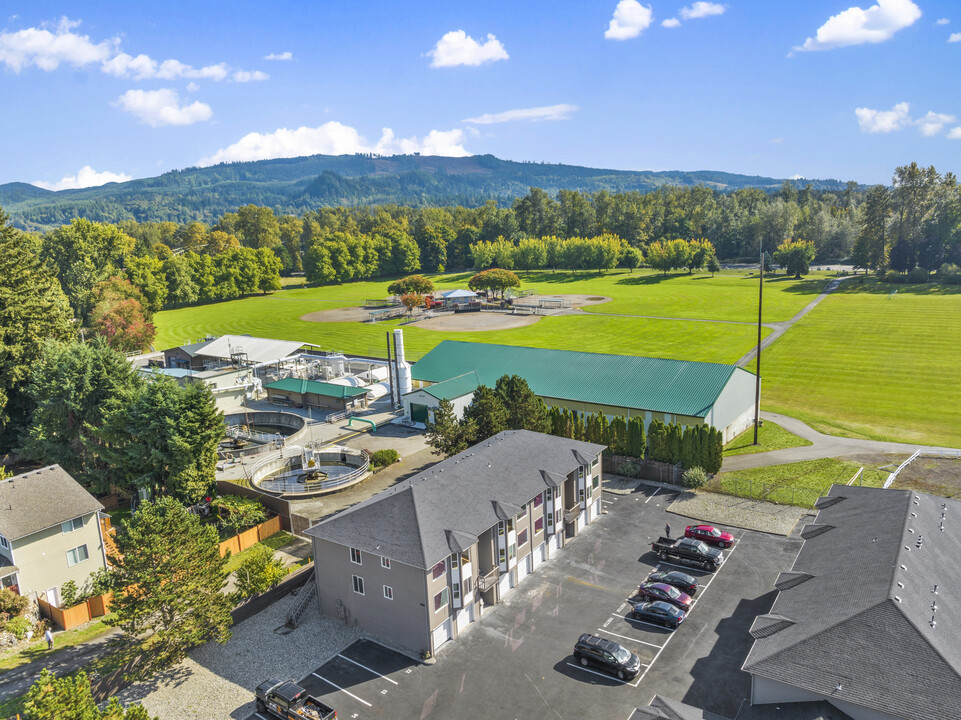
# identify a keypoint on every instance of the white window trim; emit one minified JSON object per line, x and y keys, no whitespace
{"x":73,"y":525}
{"x":446,"y":604}
{"x":73,"y":550}
{"x":354,"y":579}
{"x":3,"y":543}
{"x":385,"y":563}
{"x":388,"y":592}
{"x":360,"y":556}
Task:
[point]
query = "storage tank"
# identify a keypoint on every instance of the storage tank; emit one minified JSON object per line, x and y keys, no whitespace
{"x":404,"y":381}
{"x":349,"y":381}
{"x":378,"y":390}
{"x":375,"y":374}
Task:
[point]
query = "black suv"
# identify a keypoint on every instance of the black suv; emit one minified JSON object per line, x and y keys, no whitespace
{"x":607,"y":655}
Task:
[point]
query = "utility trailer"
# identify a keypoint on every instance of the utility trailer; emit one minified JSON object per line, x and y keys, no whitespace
{"x":287,"y":700}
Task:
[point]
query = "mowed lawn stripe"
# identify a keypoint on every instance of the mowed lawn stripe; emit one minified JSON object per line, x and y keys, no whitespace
{"x":870,"y":363}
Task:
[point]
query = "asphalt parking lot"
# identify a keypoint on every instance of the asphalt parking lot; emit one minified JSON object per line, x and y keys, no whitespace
{"x":517,"y":662}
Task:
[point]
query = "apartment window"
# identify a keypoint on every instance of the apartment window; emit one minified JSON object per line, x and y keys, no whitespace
{"x":388,"y":592}
{"x":455,"y":591}
{"x":596,"y":482}
{"x":71,"y":525}
{"x":77,"y":555}
{"x":511,"y":552}
{"x":355,"y":556}
{"x":500,"y":528}
{"x":467,"y":586}
{"x":538,"y":525}
{"x":522,"y":537}
{"x":454,"y":560}
{"x":465,"y":559}
{"x":510,"y":525}
{"x":550,"y":521}
{"x":441,"y":599}
{"x":439,"y":569}
{"x":580,"y":495}
{"x":594,"y":464}
{"x":385,"y":563}
{"x":523,"y":513}
{"x":538,"y":501}
{"x":3,"y":542}
{"x":358,"y":584}
{"x":557,"y":519}
{"x":501,"y":555}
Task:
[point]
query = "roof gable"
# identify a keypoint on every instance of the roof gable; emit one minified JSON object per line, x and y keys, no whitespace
{"x":41,"y":499}
{"x":673,"y":386}
{"x":455,"y":387}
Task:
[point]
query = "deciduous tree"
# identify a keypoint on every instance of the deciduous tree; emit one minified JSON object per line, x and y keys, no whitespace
{"x":795,"y":256}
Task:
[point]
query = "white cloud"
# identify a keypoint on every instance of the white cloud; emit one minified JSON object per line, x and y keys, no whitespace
{"x":955,"y":133}
{"x":459,"y":48}
{"x":85,"y":177}
{"x":777,"y":140}
{"x":942,"y":21}
{"x":192,"y":86}
{"x":671,"y":23}
{"x":549,"y":112}
{"x":955,"y":37}
{"x":162,"y":107}
{"x":243,"y":76}
{"x":702,"y":9}
{"x":279,"y":56}
{"x":883,"y":121}
{"x":334,"y":138}
{"x":47,"y":50}
{"x":630,"y":20}
{"x":856,"y":26}
{"x":933,"y":123}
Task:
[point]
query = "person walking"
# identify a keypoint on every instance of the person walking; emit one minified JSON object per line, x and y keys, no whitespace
{"x":48,"y":636}
{"x":667,"y":530}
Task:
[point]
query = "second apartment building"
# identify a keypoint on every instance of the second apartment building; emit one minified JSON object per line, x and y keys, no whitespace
{"x":416,"y":562}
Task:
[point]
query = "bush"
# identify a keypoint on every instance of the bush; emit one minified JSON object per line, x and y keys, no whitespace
{"x":18,"y":627}
{"x":383,"y":458}
{"x":12,"y":604}
{"x":69,"y":595}
{"x":949,"y":274}
{"x":893,"y":276}
{"x":236,"y":513}
{"x":918,"y":275}
{"x":694,"y":478}
{"x":258,"y":572}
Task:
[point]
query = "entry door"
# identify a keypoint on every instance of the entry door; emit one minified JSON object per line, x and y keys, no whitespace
{"x":53,"y":597}
{"x":418,"y":413}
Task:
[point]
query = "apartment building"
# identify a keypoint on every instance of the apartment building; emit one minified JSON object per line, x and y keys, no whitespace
{"x":417,"y":562}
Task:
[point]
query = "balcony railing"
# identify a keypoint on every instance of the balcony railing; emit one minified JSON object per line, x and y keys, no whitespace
{"x":486,"y":582}
{"x":570,"y":514}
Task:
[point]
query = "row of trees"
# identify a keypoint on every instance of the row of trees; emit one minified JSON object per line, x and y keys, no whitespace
{"x":621,"y":436}
{"x":692,"y":446}
{"x":604,"y":252}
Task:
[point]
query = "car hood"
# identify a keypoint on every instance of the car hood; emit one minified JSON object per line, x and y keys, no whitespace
{"x":727,"y":537}
{"x":714,"y":552}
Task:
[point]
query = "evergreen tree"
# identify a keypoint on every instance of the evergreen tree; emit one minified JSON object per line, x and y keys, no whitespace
{"x":578,"y":426}
{"x":525,"y":411}
{"x":557,"y":421}
{"x":603,"y":430}
{"x":657,"y":441}
{"x":674,"y":443}
{"x":445,"y":434}
{"x":488,"y":413}
{"x":258,"y":572}
{"x":717,"y":451}
{"x":70,"y":698}
{"x":705,"y":448}
{"x":686,"y":456}
{"x":635,"y":437}
{"x":618,"y":435}
{"x":170,"y":565}
{"x":568,"y":424}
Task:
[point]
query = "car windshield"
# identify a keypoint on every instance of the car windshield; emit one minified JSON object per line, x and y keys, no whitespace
{"x":622,"y":655}
{"x":713,"y":532}
{"x":701,"y":547}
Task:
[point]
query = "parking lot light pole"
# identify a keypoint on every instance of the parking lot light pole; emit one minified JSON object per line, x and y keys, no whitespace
{"x":757,"y":370}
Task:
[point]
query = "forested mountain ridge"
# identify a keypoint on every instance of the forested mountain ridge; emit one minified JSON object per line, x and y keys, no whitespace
{"x":295,"y":185}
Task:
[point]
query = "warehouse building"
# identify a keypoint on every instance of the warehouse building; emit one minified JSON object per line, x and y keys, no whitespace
{"x":420,"y":404}
{"x":417,"y":562}
{"x":690,"y":393}
{"x":867,"y":619}
{"x":313,"y":393}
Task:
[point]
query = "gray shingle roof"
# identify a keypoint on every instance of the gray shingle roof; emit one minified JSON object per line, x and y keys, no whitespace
{"x":666,"y":709}
{"x":859,"y":629}
{"x":422,"y":520}
{"x":40,"y":499}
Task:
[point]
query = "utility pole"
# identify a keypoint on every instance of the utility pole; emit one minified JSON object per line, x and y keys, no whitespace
{"x":757,"y":370}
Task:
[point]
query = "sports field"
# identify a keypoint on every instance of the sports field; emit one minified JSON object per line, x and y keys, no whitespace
{"x":872,"y":363}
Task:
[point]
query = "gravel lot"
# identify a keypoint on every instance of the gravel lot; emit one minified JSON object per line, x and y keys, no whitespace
{"x":217,"y":681}
{"x":738,"y":512}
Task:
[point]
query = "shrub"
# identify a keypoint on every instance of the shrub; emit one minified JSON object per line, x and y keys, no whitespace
{"x":695,"y":477}
{"x":18,"y":627}
{"x":383,"y":458}
{"x":236,"y":513}
{"x":259,"y":571}
{"x":69,"y":595}
{"x":918,"y":275}
{"x":893,"y":276}
{"x":12,"y":604}
{"x":949,"y":274}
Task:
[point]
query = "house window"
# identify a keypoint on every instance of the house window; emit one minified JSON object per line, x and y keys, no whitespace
{"x":538,"y":500}
{"x":388,"y":592}
{"x":523,"y":513}
{"x":355,"y":556}
{"x":71,"y":525}
{"x":522,"y":537}
{"x":439,"y":569}
{"x":441,"y":599}
{"x":358,"y":584}
{"x":385,"y":563}
{"x":539,"y":525}
{"x":77,"y":555}
{"x":455,"y":591}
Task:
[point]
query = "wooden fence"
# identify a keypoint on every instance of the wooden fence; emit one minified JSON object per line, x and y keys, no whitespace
{"x":70,"y":618}
{"x":643,"y":469}
{"x":239,"y":543}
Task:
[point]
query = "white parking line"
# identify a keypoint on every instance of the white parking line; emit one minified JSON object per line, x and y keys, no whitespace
{"x":655,"y":493}
{"x":348,"y":692}
{"x":366,"y":668}
{"x":603,"y":630}
{"x":603,"y":675}
{"x":645,"y":622}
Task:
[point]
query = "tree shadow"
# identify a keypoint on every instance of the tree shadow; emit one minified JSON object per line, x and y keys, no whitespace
{"x":649,"y":279}
{"x":866,"y":285}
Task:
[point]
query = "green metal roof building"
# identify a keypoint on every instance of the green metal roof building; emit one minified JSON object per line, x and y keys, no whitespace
{"x":330,"y":396}
{"x":459,"y":390}
{"x":671,"y":390}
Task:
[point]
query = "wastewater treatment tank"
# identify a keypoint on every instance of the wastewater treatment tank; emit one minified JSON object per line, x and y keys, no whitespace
{"x":257,"y":432}
{"x":301,"y":472}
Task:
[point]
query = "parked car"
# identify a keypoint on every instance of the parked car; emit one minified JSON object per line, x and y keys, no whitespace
{"x":607,"y":655}
{"x":658,"y":612}
{"x":709,"y":534}
{"x":682,"y":581}
{"x":667,"y":593}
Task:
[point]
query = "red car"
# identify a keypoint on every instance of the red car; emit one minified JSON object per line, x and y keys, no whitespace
{"x":665,"y":593}
{"x":709,"y":534}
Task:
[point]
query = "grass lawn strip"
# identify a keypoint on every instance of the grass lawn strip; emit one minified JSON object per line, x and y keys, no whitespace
{"x":770,"y":436}
{"x":799,"y":483}
{"x":68,"y":638}
{"x":274,"y":542}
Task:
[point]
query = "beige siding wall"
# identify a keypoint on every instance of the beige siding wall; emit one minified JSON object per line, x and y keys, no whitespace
{"x":42,"y":557}
{"x":404,"y":619}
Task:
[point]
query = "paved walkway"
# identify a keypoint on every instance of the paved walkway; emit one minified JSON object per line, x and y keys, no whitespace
{"x":824,"y":446}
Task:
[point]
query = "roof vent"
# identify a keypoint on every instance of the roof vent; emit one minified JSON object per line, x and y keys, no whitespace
{"x":903,"y":567}
{"x":934,"y":607}
{"x":911,"y":530}
{"x":935,"y":589}
{"x":767,"y":625}
{"x":920,"y":539}
{"x":900,"y":584}
{"x":914,"y":514}
{"x":788,"y":580}
{"x":933,"y":621}
{"x":898,"y":598}
{"x":838,"y":688}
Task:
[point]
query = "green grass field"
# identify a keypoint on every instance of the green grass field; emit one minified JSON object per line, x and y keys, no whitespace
{"x":770,"y":436}
{"x":870,"y":363}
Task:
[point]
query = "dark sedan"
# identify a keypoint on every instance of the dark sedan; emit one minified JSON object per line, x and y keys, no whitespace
{"x":667,"y":593}
{"x":682,"y":581}
{"x":658,"y":612}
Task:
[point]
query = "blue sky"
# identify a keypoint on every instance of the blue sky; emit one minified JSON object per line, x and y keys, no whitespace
{"x":847,"y":89}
